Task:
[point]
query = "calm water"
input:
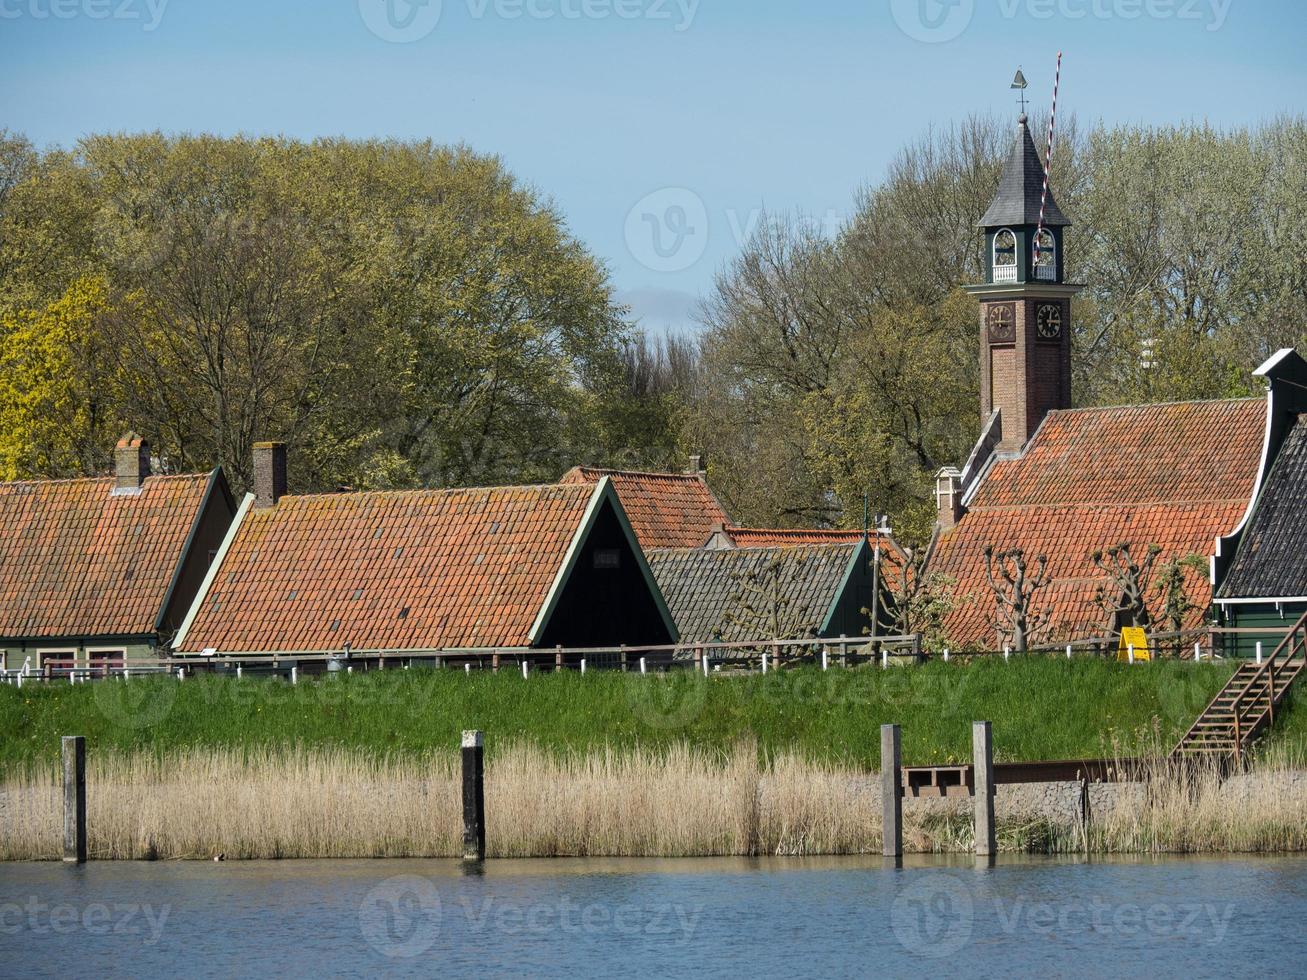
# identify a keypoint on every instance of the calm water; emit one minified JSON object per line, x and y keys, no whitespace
{"x":825,"y":917}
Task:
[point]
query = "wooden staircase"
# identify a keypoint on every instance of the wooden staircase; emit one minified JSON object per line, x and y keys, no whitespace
{"x":1245,"y":707}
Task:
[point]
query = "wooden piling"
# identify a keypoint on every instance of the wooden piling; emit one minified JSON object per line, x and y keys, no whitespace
{"x":983,"y":749}
{"x":891,"y":790}
{"x":474,"y":796}
{"x":74,"y":753}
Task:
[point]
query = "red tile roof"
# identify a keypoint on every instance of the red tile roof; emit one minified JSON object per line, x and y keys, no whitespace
{"x":419,"y":570}
{"x":78,"y":560}
{"x":753,"y":537}
{"x":666,"y":510}
{"x":1176,"y":476}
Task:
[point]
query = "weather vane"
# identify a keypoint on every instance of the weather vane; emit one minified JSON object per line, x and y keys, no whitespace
{"x":1020,"y":83}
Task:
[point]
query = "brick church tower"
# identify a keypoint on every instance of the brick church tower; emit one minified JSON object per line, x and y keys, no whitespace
{"x":1025,"y":302}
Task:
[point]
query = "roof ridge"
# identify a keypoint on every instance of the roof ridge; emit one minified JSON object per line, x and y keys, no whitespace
{"x":66,"y":480}
{"x":1201,"y":502}
{"x":605,"y":471}
{"x":436,"y":491}
{"x":766,"y":547}
{"x":1259,"y":399}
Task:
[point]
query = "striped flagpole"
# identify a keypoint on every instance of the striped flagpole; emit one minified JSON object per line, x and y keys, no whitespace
{"x":1048,"y":162}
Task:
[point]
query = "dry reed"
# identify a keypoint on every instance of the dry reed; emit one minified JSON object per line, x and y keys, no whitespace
{"x":674,"y":802}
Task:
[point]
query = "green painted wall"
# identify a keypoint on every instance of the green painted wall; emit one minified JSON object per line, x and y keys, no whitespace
{"x":1258,"y":616}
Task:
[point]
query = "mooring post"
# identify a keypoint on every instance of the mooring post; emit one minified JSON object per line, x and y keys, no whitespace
{"x":891,"y":791}
{"x":74,"y":752}
{"x":983,"y":746}
{"x":474,"y":796}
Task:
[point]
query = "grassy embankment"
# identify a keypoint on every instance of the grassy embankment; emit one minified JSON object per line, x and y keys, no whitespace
{"x":613,"y":765}
{"x":1041,"y":709}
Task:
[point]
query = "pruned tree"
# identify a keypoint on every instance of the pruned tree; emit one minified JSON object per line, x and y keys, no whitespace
{"x":1015,"y":587}
{"x":917,"y":601}
{"x":1169,"y":587}
{"x":762,"y":609}
{"x":1124,"y":595}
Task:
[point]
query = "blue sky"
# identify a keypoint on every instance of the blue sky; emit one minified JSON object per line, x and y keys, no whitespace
{"x":660,"y":128}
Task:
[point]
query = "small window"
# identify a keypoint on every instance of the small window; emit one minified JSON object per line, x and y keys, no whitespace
{"x":607,"y":558}
{"x":102,"y":662}
{"x":1005,"y":249}
{"x":56,"y":663}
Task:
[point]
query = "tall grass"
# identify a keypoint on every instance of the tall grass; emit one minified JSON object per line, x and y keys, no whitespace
{"x":674,"y":802}
{"x":1043,"y":708}
{"x":310,"y":803}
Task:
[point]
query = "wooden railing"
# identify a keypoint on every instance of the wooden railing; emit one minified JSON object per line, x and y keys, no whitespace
{"x":1259,"y":696}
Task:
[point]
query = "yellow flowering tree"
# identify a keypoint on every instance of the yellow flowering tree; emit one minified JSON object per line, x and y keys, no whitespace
{"x":58,"y":410}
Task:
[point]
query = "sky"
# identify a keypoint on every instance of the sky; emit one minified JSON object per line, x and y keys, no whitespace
{"x":660,"y":129}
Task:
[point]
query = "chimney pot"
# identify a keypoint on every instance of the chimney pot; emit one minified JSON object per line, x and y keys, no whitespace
{"x":269,"y":473}
{"x":131,"y":462}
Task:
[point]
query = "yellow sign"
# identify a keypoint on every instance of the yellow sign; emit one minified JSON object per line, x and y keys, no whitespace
{"x":1136,"y":639}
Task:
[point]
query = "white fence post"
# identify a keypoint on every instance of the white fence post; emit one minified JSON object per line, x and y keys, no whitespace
{"x":467,"y":668}
{"x":764,"y":661}
{"x":884,"y":658}
{"x":1007,"y":653}
{"x":643,"y":668}
{"x":526,"y":669}
{"x":825,"y":658}
{"x":1132,"y":654}
{"x":583,"y":666}
{"x":1068,"y":651}
{"x":706,"y":659}
{"x":946,"y":655}
{"x":294,"y":676}
{"x":239,"y":671}
{"x":1198,"y":653}
{"x":181,"y":673}
{"x":1259,"y":653}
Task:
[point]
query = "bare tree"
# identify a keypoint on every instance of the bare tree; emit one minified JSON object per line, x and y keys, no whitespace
{"x":1124,"y":595}
{"x":1015,"y":587}
{"x":918,"y":602}
{"x":762,"y":609}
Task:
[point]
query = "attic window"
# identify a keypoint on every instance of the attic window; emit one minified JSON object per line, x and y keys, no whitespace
{"x":376,"y":535}
{"x":607,"y":558}
{"x":403,"y":613}
{"x":335,"y":625}
{"x":358,"y":594}
{"x":398,"y":552}
{"x":293,"y":594}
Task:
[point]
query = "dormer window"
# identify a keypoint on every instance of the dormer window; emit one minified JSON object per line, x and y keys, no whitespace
{"x":1045,"y":256}
{"x":1005,"y":256}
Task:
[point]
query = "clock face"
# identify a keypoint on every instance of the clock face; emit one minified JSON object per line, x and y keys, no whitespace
{"x":1002,"y":323}
{"x":1048,"y":321}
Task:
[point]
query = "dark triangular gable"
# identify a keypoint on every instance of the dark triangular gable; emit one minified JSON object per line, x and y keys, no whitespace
{"x":605,"y":594}
{"x":208,"y":530}
{"x":845,"y":616}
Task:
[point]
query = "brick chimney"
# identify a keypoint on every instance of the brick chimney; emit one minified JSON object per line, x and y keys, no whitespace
{"x":269,"y":473}
{"x":131,"y":463}
{"x":696,"y":466}
{"x":948,"y":498}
